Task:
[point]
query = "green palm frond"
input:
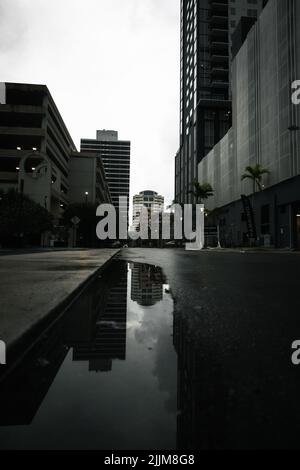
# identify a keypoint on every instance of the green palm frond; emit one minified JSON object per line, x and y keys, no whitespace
{"x":246,"y":176}
{"x":201,"y":191}
{"x":255,"y":173}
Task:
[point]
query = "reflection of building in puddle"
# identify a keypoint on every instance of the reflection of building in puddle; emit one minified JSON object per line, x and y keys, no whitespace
{"x":24,"y":390}
{"x":201,"y":422}
{"x":106,"y":340}
{"x":146,"y":284}
{"x":95,"y":326}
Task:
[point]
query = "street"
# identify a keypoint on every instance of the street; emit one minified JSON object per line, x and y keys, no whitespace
{"x":150,"y":228}
{"x":167,"y":349}
{"x":236,"y":316}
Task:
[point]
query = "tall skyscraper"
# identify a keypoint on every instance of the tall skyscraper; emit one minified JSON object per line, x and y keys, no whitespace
{"x":115,"y":155}
{"x":205,"y":97}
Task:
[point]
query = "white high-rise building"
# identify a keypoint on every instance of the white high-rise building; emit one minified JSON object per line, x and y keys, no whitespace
{"x":149,"y":199}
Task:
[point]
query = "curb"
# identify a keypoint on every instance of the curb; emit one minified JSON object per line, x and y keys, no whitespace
{"x":20,"y":347}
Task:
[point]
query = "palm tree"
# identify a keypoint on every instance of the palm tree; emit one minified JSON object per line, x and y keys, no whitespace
{"x":201,"y":191}
{"x":175,"y":202}
{"x":255,"y":174}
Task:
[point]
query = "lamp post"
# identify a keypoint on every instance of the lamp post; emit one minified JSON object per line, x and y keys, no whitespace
{"x":86,"y":196}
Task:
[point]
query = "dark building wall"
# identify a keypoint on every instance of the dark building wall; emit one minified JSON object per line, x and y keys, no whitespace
{"x":240,"y":34}
{"x":29,"y":119}
{"x":87,"y":174}
{"x":277,"y":211}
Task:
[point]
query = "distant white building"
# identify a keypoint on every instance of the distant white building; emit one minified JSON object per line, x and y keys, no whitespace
{"x":149,"y":199}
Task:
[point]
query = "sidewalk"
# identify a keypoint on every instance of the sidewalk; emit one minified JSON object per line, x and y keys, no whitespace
{"x":33,"y":286}
{"x":259,"y":249}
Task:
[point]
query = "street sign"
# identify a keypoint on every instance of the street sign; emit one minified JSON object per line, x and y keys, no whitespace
{"x":75,"y":220}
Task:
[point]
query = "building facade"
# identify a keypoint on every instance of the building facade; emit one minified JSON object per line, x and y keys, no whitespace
{"x":115,"y":155}
{"x":87,"y":179}
{"x":149,"y":199}
{"x":265,"y":131}
{"x":205,"y":90}
{"x":35,"y":146}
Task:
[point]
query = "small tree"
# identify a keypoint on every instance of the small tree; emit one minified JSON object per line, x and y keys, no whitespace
{"x":255,"y":174}
{"x":200,"y":192}
{"x":22,"y":219}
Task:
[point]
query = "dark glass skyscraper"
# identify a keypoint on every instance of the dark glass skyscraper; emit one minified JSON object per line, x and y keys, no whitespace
{"x":205,"y":96}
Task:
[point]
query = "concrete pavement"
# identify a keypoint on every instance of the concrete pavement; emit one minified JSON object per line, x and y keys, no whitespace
{"x":37,"y":285}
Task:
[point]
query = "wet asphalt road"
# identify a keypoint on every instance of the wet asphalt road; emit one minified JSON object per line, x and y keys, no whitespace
{"x":236,"y":316}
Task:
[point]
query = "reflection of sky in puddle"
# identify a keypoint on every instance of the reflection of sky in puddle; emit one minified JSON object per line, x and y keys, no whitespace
{"x":130,"y":406}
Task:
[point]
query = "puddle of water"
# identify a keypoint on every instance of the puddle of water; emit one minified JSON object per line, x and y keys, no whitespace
{"x":104,"y":376}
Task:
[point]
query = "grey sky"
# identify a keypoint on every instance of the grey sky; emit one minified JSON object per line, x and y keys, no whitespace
{"x":110,"y":64}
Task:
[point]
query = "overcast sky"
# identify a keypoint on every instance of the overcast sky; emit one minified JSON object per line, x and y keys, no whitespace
{"x":109,"y":64}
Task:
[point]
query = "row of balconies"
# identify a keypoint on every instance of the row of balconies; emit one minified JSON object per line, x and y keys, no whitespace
{"x":219,"y":40}
{"x":219,"y":7}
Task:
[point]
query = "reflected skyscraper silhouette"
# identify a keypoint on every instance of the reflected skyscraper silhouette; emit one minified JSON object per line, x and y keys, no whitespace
{"x":202,"y":400}
{"x":107,"y":341}
{"x":94,"y":326}
{"x":146,"y":284}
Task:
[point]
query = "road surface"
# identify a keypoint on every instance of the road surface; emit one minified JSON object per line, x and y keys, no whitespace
{"x":236,"y":316}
